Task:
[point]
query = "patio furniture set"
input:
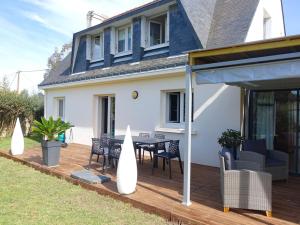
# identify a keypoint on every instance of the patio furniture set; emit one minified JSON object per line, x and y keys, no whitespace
{"x":110,"y":149}
{"x":247,"y":182}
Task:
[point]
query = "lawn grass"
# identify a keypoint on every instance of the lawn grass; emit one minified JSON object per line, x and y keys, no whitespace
{"x":29,"y":142}
{"x":30,"y":197}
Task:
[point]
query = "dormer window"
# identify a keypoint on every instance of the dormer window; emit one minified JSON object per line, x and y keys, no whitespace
{"x":158,"y":30}
{"x":124,"y":39}
{"x":267,"y":25}
{"x":97,"y":50}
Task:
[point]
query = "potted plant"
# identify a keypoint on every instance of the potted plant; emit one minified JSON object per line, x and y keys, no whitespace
{"x":49,"y":130}
{"x":231,"y":139}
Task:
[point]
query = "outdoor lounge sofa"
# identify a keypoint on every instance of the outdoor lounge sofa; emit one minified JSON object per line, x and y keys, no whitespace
{"x":246,"y":189}
{"x":272,"y":161}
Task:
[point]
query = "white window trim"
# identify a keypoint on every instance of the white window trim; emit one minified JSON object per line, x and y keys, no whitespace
{"x":168,"y":107}
{"x":123,"y":53}
{"x":165,"y":123}
{"x":101,"y":45}
{"x":127,"y":51}
{"x":173,"y":130}
{"x":150,"y":20}
{"x":161,"y":34}
{"x":57,"y":99}
{"x":157,"y":46}
{"x":267,"y":25}
{"x":98,"y":112}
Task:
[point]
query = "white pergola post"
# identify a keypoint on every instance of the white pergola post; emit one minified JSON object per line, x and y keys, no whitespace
{"x":188,"y":141}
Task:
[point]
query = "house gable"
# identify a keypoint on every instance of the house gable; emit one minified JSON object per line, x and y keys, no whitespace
{"x":231,"y":22}
{"x":268,"y":13}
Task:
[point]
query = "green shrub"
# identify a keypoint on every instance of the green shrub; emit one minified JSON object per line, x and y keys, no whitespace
{"x":13,"y":105}
{"x":230,"y":139}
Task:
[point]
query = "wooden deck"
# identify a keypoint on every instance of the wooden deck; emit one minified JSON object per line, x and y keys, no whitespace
{"x":158,"y":194}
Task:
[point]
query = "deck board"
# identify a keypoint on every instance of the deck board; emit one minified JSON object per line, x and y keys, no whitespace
{"x":163,"y":196}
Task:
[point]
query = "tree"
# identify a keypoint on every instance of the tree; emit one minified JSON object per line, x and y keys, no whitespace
{"x":5,"y":83}
{"x":56,"y":57}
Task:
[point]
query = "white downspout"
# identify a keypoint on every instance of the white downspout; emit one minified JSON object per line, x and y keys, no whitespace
{"x":188,"y":138}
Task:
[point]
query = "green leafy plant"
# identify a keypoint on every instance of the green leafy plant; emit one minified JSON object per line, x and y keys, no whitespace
{"x":50,"y":128}
{"x":13,"y":105}
{"x":230,"y":139}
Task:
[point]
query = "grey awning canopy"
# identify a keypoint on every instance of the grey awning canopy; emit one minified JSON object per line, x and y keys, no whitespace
{"x":278,"y":74}
{"x":273,"y":63}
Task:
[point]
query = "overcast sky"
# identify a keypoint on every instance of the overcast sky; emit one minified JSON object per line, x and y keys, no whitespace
{"x":31,"y":29}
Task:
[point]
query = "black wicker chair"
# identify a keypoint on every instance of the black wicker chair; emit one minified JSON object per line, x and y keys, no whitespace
{"x":99,"y":149}
{"x":139,"y":147}
{"x":114,"y":152}
{"x":172,"y":153}
{"x":151,"y":148}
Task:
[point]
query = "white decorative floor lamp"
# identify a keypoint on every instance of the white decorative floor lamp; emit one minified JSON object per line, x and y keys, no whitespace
{"x":17,"y":140}
{"x":127,"y":168}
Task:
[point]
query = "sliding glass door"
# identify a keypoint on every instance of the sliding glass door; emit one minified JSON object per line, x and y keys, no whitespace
{"x":274,"y":116}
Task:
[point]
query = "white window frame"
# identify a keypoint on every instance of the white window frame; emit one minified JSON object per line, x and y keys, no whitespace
{"x":99,"y":114}
{"x":149,"y":21}
{"x":101,"y":46}
{"x":161,"y":34}
{"x":267,"y":25}
{"x":57,"y":101}
{"x":126,"y":51}
{"x":166,"y":108}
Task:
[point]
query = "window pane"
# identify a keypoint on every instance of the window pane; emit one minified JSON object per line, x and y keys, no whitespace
{"x":96,"y":48}
{"x":61,"y":108}
{"x":155,"y":33}
{"x":121,"y":40}
{"x":174,"y":107}
{"x":129,"y":38}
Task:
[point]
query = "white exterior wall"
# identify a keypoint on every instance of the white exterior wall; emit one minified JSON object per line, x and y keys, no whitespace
{"x":216,"y":108}
{"x":274,"y":9}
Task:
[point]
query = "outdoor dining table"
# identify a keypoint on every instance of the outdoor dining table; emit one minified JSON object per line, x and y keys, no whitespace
{"x":137,"y":140}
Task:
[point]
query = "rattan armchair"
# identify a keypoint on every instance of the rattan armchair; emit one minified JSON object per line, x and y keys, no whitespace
{"x":246,"y":189}
{"x":272,"y":161}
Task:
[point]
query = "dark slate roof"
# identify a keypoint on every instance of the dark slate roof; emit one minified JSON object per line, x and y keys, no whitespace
{"x":142,"y":66}
{"x":200,"y":14}
{"x":231,"y":22}
{"x":217,"y":23}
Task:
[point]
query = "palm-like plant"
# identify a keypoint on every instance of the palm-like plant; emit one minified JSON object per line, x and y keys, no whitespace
{"x":50,"y":128}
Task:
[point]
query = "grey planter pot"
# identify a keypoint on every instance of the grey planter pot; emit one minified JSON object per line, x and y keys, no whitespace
{"x":51,"y":152}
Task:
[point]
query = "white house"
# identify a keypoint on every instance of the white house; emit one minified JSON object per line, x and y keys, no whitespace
{"x":130,"y":70}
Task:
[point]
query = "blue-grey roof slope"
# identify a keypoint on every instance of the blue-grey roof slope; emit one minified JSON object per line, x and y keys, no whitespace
{"x":231,"y":22}
{"x":142,"y":66}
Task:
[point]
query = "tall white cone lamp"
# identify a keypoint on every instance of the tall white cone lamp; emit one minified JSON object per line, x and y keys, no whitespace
{"x":17,"y":140}
{"x":127,"y":168}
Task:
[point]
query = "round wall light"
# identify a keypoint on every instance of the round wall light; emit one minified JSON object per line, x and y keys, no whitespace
{"x":134,"y":94}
